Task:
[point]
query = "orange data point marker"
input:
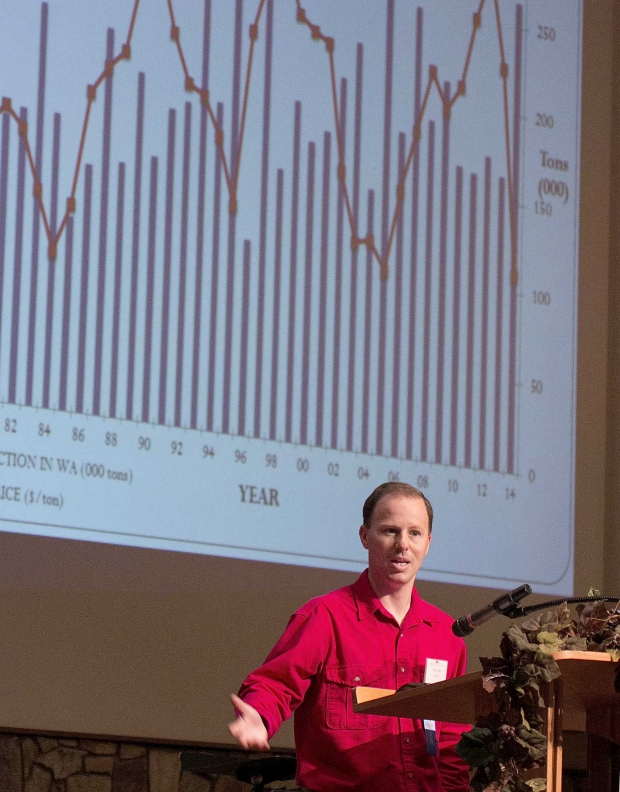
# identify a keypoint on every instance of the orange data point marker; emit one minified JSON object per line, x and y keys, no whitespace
{"x":5,"y":107}
{"x":91,"y":92}
{"x":219,"y":137}
{"x":462,"y":88}
{"x":174,"y":32}
{"x":109,"y":68}
{"x":503,"y":70}
{"x":37,"y":190}
{"x":189,"y":84}
{"x":204,"y":97}
{"x":301,"y":15}
{"x":71,"y":205}
{"x":432,"y":72}
{"x":477,"y":20}
{"x":330,"y":45}
{"x":253,"y":32}
{"x":355,"y":244}
{"x":52,"y":251}
{"x":342,"y":172}
{"x":232,"y":206}
{"x":126,"y":52}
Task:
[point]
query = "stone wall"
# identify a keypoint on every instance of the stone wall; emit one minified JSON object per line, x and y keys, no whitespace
{"x":31,"y":763}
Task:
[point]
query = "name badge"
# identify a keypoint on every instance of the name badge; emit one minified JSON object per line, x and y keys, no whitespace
{"x":435,"y":671}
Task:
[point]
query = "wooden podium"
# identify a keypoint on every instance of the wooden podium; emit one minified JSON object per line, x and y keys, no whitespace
{"x":581,"y":699}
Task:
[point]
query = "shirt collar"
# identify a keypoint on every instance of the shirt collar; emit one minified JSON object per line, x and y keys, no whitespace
{"x":368,"y":603}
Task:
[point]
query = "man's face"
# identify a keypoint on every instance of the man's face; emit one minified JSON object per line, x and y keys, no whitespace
{"x":397,"y":542}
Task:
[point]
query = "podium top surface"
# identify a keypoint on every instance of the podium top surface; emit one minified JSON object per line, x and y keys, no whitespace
{"x":587,"y":683}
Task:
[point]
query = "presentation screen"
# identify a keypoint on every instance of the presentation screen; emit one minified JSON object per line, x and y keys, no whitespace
{"x":259,"y":256}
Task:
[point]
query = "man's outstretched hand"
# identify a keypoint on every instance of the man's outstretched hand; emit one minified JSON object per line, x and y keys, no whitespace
{"x":249,"y":729}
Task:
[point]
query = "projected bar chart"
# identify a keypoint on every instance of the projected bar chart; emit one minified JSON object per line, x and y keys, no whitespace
{"x":263,"y":226}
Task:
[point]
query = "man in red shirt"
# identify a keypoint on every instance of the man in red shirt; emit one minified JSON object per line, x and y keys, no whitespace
{"x":376,"y":632}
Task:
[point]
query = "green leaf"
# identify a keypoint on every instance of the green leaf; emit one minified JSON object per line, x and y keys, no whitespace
{"x":477,"y":747}
{"x":575,"y":643}
{"x":594,"y":593}
{"x":550,"y":642}
{"x":515,"y":641}
{"x":537,"y":784}
{"x":615,"y":654}
{"x":538,"y":620}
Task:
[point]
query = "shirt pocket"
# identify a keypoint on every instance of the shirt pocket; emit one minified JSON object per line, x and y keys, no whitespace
{"x":339,"y":683}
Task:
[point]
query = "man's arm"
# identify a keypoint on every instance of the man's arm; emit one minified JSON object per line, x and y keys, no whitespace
{"x":273,"y":691}
{"x":248,"y":729}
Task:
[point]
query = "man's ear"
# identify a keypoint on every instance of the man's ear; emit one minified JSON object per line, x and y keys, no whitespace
{"x":363,"y":536}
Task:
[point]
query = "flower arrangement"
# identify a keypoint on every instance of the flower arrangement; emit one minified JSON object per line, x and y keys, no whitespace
{"x":502,"y":746}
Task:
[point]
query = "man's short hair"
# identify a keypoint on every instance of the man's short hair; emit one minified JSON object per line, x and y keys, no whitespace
{"x":400,"y":488}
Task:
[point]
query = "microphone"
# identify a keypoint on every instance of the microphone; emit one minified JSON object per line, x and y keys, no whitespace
{"x":503,"y":606}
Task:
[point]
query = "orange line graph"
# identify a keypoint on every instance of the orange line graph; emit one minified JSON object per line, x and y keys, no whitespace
{"x":232,"y":178}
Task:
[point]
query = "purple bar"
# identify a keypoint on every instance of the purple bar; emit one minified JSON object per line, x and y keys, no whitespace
{"x":178,"y":393}
{"x":51,"y":271}
{"x":262,"y":255}
{"x":4,"y":190}
{"x":513,"y":204}
{"x":499,"y":320}
{"x":305,"y":355}
{"x":165,"y":302}
{"x":215,"y":269}
{"x":66,"y":316}
{"x":413,"y":283}
{"x":118,"y":274}
{"x":398,"y":308}
{"x":55,"y":176}
{"x":232,"y":221}
{"x":236,"y":88}
{"x":368,"y":325}
{"x":200,"y":223}
{"x":277,"y":278}
{"x":456,"y":319}
{"x":471,"y":313}
{"x":357,"y":150}
{"x":338,"y":275}
{"x":320,"y":389}
{"x":484,"y":346}
{"x":81,"y":361}
{"x":150,"y":293}
{"x":383,"y":286}
{"x":385,"y":219}
{"x":290,"y":361}
{"x":428,"y":266}
{"x":387,"y":127}
{"x":103,"y":226}
{"x":135,"y":249}
{"x":443,"y":264}
{"x":36,"y":221}
{"x":18,"y":256}
{"x":245,"y":323}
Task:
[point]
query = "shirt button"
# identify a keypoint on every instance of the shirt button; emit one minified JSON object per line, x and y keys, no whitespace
{"x":402,"y":635}
{"x":357,"y":679}
{"x":410,"y":775}
{"x":407,"y":740}
{"x":402,"y":669}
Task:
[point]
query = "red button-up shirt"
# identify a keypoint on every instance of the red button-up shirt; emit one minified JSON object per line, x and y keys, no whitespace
{"x":338,"y":642}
